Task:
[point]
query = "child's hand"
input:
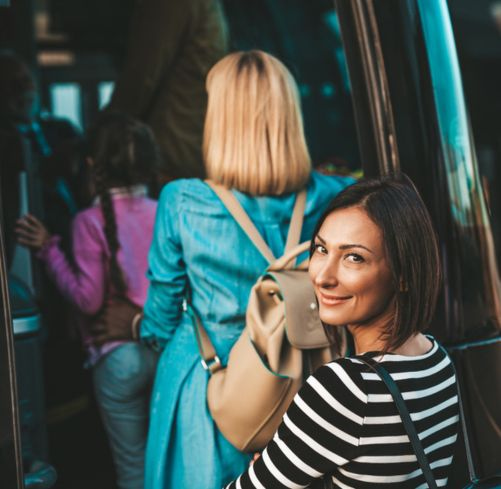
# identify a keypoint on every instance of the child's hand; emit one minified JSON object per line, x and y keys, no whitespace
{"x":31,"y":232}
{"x":114,"y":322}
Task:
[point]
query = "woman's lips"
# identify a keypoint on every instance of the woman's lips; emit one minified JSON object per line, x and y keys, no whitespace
{"x":333,"y":300}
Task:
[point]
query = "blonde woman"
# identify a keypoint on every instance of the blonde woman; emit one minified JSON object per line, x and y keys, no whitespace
{"x":253,"y":144}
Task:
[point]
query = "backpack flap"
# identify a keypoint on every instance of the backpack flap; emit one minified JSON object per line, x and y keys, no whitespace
{"x":283,"y":298}
{"x":265,"y":321}
{"x":302,"y":324}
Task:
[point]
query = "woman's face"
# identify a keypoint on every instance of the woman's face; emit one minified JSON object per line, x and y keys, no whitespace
{"x":349,"y":270}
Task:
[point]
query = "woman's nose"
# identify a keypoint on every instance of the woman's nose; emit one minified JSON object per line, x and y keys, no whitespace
{"x":327,"y":275}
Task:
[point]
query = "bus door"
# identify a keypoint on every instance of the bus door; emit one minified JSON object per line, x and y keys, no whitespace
{"x":411,"y":116}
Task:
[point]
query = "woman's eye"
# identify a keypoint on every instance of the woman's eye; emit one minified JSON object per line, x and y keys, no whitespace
{"x":320,"y":249}
{"x":355,"y":258}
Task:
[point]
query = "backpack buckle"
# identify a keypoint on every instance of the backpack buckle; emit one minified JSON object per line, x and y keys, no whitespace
{"x":212,"y":364}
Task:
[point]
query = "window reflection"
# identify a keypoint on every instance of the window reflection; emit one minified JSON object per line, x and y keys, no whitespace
{"x":104,"y":92}
{"x":306,"y":37}
{"x":66,"y":103}
{"x":478,"y":39}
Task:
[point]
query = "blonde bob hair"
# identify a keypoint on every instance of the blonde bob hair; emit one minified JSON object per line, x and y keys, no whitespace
{"x":253,"y":135}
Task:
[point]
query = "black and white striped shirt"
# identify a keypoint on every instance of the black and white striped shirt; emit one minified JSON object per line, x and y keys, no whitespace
{"x":343,"y":422}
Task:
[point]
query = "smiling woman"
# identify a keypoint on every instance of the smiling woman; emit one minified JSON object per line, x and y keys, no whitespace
{"x":375,"y":248}
{"x":375,"y":270}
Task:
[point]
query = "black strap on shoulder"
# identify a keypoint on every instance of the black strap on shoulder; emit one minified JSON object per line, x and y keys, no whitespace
{"x":406,"y":419}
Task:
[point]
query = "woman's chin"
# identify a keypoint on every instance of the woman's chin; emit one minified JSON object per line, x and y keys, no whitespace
{"x":332,"y":320}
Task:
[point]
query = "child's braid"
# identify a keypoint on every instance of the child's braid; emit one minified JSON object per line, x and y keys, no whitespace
{"x":110,"y":230}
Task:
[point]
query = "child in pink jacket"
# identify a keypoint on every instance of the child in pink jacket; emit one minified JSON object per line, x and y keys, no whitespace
{"x":110,"y":243}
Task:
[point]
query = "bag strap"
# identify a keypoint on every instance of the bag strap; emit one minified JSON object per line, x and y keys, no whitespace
{"x":406,"y":419}
{"x":466,"y":439}
{"x":284,"y":261}
{"x":210,"y":360}
{"x":296,"y":224}
{"x":238,"y":213}
{"x":243,"y":220}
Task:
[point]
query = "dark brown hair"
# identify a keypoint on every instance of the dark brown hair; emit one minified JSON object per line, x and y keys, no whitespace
{"x":124,"y":153}
{"x":395,"y":206}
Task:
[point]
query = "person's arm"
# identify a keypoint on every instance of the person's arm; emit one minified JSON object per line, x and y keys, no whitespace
{"x":166,"y":271}
{"x":319,"y":432}
{"x":155,"y":40}
{"x":82,"y":285}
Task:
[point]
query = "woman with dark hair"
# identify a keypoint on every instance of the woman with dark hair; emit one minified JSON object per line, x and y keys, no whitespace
{"x":375,"y":270}
{"x":110,"y":241}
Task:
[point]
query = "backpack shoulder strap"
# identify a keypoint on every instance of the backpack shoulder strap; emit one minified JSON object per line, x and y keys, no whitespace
{"x":296,"y":225}
{"x":294,"y":234}
{"x":238,"y":213}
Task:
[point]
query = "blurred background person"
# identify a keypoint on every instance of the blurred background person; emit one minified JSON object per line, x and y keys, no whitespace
{"x":172,"y":46}
{"x":32,"y":143}
{"x":110,"y":245}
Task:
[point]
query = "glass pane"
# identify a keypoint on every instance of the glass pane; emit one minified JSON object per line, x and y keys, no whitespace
{"x":104,"y":92}
{"x":66,"y":102}
{"x":306,"y":37}
{"x":477,"y":31}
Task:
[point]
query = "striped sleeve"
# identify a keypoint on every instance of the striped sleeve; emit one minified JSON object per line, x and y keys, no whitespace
{"x":324,"y":421}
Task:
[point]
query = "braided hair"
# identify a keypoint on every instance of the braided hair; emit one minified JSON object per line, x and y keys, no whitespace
{"x":124,"y":153}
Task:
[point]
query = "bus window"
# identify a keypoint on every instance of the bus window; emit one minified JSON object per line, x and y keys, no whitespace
{"x":306,"y":37}
{"x":104,"y":92}
{"x":66,"y":102}
{"x":477,"y":31}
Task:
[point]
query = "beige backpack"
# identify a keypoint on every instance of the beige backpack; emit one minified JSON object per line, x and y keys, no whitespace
{"x":283,"y":341}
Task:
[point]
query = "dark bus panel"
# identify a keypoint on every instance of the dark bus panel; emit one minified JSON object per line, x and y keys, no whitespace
{"x":405,"y":55}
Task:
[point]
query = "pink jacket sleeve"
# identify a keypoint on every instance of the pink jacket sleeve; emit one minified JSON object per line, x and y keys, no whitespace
{"x":83,"y":285}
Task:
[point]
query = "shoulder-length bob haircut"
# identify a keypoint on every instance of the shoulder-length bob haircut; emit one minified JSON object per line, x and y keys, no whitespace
{"x":253,"y":135}
{"x":395,"y":206}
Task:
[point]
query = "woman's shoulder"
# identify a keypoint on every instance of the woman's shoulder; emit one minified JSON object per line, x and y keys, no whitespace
{"x":355,"y":376}
{"x":401,"y":363}
{"x":433,"y":366}
{"x":341,"y":378}
{"x":184,"y":185}
{"x":322,"y":188}
{"x":88,"y":224}
{"x":318,"y":184}
{"x":328,"y":184}
{"x":89,"y":216}
{"x":146,"y":203}
{"x":192,"y":191}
